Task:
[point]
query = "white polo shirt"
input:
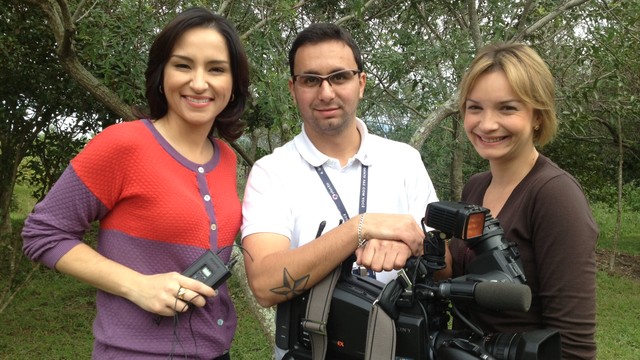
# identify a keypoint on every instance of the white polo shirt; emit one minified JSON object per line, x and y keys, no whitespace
{"x":285,"y":195}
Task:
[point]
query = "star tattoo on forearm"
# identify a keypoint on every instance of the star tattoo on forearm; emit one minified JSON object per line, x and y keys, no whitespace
{"x":291,"y":287}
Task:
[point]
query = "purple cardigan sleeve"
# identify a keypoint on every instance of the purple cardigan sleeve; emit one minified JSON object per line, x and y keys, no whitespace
{"x":59,"y":222}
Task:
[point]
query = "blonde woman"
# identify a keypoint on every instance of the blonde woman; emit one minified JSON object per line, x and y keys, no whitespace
{"x":507,"y":101}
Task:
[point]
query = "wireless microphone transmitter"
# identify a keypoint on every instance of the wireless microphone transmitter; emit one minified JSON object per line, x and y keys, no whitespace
{"x":209,"y":269}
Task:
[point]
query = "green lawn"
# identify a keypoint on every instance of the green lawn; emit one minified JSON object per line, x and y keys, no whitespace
{"x":629,"y":242}
{"x":618,"y":329}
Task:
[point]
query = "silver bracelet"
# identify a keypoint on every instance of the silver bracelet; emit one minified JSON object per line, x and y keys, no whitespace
{"x":361,"y":242}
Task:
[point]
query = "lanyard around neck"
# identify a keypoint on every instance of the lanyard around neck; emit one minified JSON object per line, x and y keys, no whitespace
{"x":333,"y":192}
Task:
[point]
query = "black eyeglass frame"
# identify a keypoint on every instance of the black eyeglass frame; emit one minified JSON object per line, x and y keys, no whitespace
{"x":327,"y":77}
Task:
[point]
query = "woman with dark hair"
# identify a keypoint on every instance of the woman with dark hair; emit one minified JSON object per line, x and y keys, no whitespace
{"x":164,"y":191}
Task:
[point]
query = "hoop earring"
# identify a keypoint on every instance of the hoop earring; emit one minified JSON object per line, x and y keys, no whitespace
{"x":160,"y":89}
{"x":233,"y":97}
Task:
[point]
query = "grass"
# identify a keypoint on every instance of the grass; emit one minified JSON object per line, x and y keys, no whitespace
{"x":618,"y":333}
{"x":629,"y":242}
{"x":251,"y":342}
{"x":51,"y":317}
{"x":23,"y":201}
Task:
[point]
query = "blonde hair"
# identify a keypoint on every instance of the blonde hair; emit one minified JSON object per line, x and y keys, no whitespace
{"x":528,"y":76}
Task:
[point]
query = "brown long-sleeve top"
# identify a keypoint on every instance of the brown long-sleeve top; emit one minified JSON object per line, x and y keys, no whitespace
{"x":549,"y":218}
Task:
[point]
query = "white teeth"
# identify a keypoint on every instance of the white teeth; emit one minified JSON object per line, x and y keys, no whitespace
{"x":492,"y":140}
{"x":199,"y":101}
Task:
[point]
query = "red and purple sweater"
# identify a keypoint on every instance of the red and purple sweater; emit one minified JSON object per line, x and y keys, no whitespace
{"x":158,"y":213}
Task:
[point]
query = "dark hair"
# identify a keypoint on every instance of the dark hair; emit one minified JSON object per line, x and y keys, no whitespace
{"x":321,"y":32}
{"x":228,"y":122}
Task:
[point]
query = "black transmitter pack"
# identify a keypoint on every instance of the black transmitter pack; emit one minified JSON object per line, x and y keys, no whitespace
{"x":209,"y":269}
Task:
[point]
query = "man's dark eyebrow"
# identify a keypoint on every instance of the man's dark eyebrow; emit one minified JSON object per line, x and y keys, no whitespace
{"x":314,"y":72}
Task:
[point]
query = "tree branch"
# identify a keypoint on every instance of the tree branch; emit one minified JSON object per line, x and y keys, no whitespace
{"x":351,"y":16}
{"x":65,"y":48}
{"x":261,"y":23}
{"x":77,"y":16}
{"x":394,"y":96}
{"x":447,"y":109}
{"x":63,"y":30}
{"x":223,"y":6}
{"x":545,"y":20}
{"x":525,"y":12}
{"x":474,"y":26}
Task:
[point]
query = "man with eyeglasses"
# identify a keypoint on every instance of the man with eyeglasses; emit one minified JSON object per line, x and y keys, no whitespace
{"x":335,"y":189}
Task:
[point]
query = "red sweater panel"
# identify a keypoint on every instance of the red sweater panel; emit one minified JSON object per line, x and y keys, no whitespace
{"x":154,"y":193}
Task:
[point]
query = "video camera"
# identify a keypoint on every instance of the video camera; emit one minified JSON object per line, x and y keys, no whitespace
{"x":421,"y":307}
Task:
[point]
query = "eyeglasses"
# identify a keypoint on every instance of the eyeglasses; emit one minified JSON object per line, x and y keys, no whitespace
{"x":337,"y":78}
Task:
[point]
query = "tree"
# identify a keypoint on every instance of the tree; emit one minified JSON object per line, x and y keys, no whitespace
{"x":35,"y":92}
{"x":35,"y":95}
{"x":601,"y":107}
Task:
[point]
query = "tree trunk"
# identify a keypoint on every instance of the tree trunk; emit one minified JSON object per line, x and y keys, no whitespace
{"x":12,"y":154}
{"x":455,"y":176}
{"x":616,"y":235}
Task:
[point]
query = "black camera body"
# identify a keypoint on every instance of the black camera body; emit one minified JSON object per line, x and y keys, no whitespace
{"x":422,"y":307}
{"x":347,"y":323}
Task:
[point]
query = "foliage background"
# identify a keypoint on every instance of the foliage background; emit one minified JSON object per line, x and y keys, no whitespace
{"x":76,"y":66}
{"x":72,"y":67}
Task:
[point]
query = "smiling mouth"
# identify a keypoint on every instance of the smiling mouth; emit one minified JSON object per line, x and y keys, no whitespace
{"x":492,"y":140}
{"x":198,"y":101}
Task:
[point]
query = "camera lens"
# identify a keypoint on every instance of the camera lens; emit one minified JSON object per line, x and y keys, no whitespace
{"x":503,"y":346}
{"x":542,"y":344}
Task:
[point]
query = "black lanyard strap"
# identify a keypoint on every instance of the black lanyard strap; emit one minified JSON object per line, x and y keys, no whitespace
{"x":333,"y":192}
